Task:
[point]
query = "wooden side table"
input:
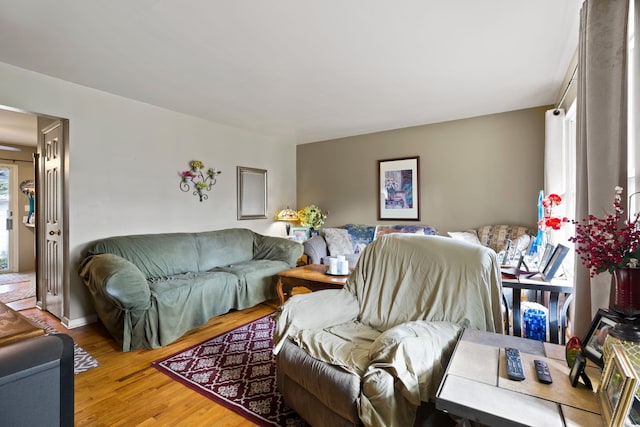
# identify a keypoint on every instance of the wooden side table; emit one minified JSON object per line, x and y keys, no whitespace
{"x":312,"y":277}
{"x":15,"y":327}
{"x":475,"y":385}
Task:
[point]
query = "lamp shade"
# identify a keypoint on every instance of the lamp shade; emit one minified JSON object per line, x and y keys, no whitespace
{"x":286,"y":215}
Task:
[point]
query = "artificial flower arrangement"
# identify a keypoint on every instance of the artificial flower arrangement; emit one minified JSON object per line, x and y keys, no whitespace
{"x":311,"y":216}
{"x":548,"y":220}
{"x":608,"y":243}
{"x":202,"y":180}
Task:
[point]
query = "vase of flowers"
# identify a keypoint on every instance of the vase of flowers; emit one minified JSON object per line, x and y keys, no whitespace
{"x":548,"y":222}
{"x":612,"y":243}
{"x":312,"y":217}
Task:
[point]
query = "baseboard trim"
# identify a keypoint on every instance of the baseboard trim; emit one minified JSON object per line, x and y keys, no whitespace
{"x":80,"y":321}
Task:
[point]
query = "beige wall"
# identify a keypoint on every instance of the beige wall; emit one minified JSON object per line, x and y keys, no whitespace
{"x":476,"y":171}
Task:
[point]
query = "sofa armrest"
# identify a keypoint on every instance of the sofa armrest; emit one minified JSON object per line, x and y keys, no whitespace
{"x":314,"y":310}
{"x":277,"y":249}
{"x":36,"y":381}
{"x":114,"y":279}
{"x":316,"y":249}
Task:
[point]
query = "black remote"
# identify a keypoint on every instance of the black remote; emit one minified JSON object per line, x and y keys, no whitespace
{"x":542,"y":370}
{"x":514,"y":364}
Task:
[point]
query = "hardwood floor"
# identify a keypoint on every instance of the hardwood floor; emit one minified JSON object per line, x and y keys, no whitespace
{"x":126,"y":391}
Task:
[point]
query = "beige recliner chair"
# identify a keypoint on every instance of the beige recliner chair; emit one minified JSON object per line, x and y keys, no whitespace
{"x":374,"y":351}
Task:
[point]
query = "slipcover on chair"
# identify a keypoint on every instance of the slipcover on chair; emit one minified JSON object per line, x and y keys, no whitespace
{"x":372,"y":352}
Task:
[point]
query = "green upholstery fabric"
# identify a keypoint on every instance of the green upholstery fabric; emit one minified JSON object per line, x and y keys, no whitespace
{"x":393,"y":326}
{"x":149,"y":290}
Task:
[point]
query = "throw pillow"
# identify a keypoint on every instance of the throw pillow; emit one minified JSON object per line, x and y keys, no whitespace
{"x":338,"y":241}
{"x":494,"y":236}
{"x":521,"y":243}
{"x":467,"y":236}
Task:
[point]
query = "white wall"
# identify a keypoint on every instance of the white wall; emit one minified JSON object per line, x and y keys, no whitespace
{"x":124,"y":159}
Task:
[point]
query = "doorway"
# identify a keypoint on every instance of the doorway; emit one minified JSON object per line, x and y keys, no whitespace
{"x":17,"y":235}
{"x":42,"y":145}
{"x":8,"y":242}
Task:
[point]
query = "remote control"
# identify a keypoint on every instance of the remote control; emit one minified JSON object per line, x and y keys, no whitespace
{"x":542,"y":370}
{"x":514,"y":364}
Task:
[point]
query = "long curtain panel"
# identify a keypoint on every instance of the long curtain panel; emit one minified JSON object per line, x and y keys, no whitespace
{"x":554,"y":182}
{"x":601,"y":124}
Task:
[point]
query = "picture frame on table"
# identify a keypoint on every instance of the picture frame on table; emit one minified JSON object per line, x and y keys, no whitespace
{"x":546,"y":256}
{"x":399,"y":189}
{"x":593,"y":341}
{"x":618,"y":387}
{"x":551,"y":267}
{"x":299,"y":234}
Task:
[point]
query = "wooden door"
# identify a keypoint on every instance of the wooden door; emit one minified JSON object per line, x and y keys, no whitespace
{"x":51,"y":251}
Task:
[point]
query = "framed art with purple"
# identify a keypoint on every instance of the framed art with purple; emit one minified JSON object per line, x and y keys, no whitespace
{"x":399,"y":189}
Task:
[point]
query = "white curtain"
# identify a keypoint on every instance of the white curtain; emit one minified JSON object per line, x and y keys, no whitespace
{"x":601,"y":133}
{"x":554,"y":181}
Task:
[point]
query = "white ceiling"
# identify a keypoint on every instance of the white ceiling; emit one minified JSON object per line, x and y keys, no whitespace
{"x":306,"y":69}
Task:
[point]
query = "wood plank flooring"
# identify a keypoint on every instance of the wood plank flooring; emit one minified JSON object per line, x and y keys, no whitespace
{"x":126,"y":391}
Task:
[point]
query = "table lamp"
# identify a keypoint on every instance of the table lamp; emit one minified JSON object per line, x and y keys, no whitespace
{"x":287,"y":215}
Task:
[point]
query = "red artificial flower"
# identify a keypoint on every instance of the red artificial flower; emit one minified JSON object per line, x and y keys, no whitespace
{"x":555,"y":199}
{"x":548,"y":220}
{"x":553,"y":222}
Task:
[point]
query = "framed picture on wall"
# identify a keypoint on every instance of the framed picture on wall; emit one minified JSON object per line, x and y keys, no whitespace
{"x":399,"y":189}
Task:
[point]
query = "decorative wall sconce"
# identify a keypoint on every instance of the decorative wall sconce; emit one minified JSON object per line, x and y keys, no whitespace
{"x":200,"y":179}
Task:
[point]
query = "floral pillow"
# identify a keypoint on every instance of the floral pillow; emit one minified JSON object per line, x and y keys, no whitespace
{"x":338,"y":241}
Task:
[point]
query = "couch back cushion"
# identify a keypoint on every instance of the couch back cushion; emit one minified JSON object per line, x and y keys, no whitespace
{"x":361,"y":235}
{"x":338,"y":241}
{"x":224,"y":247}
{"x":156,"y":255}
{"x":495,"y":236}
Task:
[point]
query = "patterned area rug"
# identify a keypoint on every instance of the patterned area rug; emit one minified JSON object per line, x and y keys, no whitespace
{"x":237,"y":370}
{"x":82,"y":361}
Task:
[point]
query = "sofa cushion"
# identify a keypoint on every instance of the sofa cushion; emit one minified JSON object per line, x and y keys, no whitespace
{"x":495,"y":236}
{"x":223,"y":247}
{"x":156,"y":255}
{"x":361,"y":235}
{"x":521,"y":243}
{"x":182,"y":302}
{"x":338,"y":241}
{"x":256,"y":280}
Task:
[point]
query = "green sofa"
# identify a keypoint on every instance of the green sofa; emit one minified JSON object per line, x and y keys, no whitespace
{"x":149,"y":290}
